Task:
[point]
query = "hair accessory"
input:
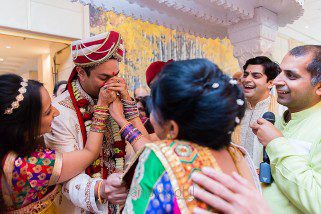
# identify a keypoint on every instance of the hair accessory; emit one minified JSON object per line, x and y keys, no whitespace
{"x":15,"y":104}
{"x":237,"y":120}
{"x":240,"y":102}
{"x":215,"y":85}
{"x":233,"y":81}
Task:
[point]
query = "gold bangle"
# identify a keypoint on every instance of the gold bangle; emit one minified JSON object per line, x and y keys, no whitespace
{"x":99,"y":198}
{"x":97,"y":123}
{"x":104,"y":108}
{"x":102,"y":116}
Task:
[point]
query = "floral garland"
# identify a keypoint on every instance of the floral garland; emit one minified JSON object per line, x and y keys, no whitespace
{"x":119,"y":146}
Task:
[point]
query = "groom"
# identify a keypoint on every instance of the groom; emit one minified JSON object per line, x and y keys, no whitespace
{"x":98,"y":188}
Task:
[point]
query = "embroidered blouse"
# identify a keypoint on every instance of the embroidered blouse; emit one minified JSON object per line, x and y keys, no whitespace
{"x":30,"y":179}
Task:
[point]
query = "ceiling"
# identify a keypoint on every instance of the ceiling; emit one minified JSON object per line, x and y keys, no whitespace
{"x":205,"y":18}
{"x":20,"y":55}
{"x":307,"y":28}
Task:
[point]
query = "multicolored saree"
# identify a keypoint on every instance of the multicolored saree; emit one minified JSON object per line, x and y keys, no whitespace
{"x":28,"y":183}
{"x":161,"y":181}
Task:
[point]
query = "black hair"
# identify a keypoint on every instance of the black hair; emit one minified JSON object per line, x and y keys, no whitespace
{"x":88,"y":69}
{"x":144,"y":101}
{"x":57,"y":85}
{"x":271,"y":69}
{"x":314,"y":66}
{"x":205,"y":115}
{"x":19,"y":130}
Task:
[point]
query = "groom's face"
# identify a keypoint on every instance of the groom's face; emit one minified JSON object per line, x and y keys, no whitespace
{"x":99,"y":75}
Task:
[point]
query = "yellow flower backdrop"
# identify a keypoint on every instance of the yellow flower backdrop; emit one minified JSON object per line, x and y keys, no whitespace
{"x":146,"y":43}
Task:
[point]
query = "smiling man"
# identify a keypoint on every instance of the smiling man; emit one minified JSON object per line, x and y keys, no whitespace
{"x":294,"y":144}
{"x":256,"y":82}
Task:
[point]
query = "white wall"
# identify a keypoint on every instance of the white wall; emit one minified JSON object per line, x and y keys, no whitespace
{"x":280,"y":48}
{"x":66,"y":64}
{"x":45,"y":71}
{"x":54,"y":17}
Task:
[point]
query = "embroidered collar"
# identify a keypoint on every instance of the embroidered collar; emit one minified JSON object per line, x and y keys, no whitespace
{"x":83,"y":94}
{"x":260,"y":104}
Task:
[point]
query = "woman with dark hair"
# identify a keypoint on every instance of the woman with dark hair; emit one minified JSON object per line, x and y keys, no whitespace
{"x":144,"y":113}
{"x":195,"y":108}
{"x":29,"y":172}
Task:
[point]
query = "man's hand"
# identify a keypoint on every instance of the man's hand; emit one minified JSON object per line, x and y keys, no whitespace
{"x":116,"y":111}
{"x":118,"y":84}
{"x":114,"y":190}
{"x":227,"y":194}
{"x":105,"y":96}
{"x":265,"y":131}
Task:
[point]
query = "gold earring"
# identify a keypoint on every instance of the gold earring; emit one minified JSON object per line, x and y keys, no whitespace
{"x":169,"y":136}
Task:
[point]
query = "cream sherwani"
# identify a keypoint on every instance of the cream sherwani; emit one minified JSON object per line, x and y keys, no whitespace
{"x":78,"y":193}
{"x":244,"y":135}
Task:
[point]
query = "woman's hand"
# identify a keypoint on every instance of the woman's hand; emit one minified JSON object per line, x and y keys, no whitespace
{"x":227,"y":194}
{"x":118,"y":84}
{"x":106,"y":96}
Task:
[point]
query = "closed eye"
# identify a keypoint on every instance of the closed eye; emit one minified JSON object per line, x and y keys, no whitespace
{"x":48,"y":111}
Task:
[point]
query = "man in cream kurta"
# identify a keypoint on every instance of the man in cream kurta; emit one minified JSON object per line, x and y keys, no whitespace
{"x":96,"y":60}
{"x":256,"y":82}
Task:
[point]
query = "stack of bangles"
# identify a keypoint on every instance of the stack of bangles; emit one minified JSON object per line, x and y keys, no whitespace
{"x":130,"y":109}
{"x":101,"y":201}
{"x":99,"y":119}
{"x":130,"y":133}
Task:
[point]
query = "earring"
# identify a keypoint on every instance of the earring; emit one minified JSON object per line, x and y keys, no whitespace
{"x":169,"y":136}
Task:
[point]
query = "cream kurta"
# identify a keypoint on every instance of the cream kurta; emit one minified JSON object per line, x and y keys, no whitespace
{"x":246,"y":137}
{"x":66,"y":137}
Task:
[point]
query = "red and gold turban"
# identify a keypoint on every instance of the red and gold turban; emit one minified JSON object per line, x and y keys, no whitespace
{"x":153,"y":69}
{"x":98,"y":49}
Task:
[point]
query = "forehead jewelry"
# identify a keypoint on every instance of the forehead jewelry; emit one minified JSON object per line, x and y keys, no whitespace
{"x":16,"y":103}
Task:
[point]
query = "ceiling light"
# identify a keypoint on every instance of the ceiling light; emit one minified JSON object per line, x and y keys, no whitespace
{"x":307,"y":27}
{"x":1,"y":60}
{"x":8,"y":47}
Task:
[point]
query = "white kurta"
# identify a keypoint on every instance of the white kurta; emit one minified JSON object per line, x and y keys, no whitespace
{"x":78,"y":193}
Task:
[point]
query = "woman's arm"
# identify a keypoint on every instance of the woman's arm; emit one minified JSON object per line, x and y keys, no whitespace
{"x":75,"y":162}
{"x":118,"y":84}
{"x":116,"y":111}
